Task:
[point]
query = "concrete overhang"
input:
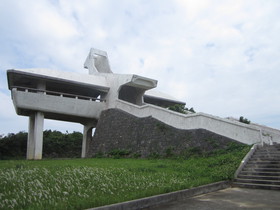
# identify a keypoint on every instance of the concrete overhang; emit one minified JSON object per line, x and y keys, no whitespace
{"x":89,"y":85}
{"x":56,"y":107}
{"x":160,"y":99}
{"x":141,"y":82}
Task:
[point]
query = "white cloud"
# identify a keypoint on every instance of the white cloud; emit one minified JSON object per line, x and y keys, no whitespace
{"x":220,"y":57}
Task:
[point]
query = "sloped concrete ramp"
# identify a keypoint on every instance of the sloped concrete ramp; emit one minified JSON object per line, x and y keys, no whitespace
{"x":248,"y":134}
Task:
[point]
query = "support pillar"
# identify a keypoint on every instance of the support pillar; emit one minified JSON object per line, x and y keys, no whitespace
{"x":87,"y":137}
{"x":30,"y":139}
{"x":35,"y":136}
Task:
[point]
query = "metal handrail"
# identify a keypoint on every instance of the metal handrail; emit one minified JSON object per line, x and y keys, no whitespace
{"x":57,"y":93}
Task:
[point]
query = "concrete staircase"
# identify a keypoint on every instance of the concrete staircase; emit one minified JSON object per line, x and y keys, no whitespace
{"x":262,"y":169}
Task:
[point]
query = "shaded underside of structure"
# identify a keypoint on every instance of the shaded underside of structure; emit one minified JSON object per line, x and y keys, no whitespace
{"x":23,"y":78}
{"x":148,"y":136}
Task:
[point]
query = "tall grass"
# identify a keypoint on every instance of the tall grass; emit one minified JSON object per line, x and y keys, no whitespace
{"x":85,"y":183}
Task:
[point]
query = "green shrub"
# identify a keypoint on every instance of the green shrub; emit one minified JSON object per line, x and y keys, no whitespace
{"x":99,"y":155}
{"x":161,"y":126}
{"x":154,"y":155}
{"x":169,"y":152}
{"x":13,"y":146}
{"x":181,"y":109}
{"x":55,"y":145}
{"x":244,"y":120}
{"x":119,"y":153}
{"x":136,"y":155}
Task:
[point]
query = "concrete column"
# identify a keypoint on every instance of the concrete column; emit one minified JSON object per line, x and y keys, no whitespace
{"x":35,"y":136}
{"x":30,"y":139}
{"x":87,"y":137}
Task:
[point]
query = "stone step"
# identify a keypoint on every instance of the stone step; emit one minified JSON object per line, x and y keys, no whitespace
{"x":266,"y":156}
{"x":268,"y":150}
{"x":249,"y":165}
{"x":260,"y":173}
{"x":275,"y":161}
{"x":261,"y":169}
{"x":276,"y":147}
{"x":259,"y":177}
{"x":258,"y":181}
{"x":266,"y":153}
{"x":271,"y":146}
{"x":264,"y":162}
{"x":264,"y":159}
{"x":256,"y":186}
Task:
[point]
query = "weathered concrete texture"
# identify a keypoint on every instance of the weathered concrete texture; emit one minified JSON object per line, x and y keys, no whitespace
{"x":148,"y":136}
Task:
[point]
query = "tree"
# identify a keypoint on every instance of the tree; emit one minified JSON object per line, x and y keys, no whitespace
{"x":244,"y":120}
{"x":181,"y":109}
{"x":55,"y":145}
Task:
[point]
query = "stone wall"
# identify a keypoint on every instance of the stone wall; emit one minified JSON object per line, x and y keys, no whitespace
{"x":119,"y":130}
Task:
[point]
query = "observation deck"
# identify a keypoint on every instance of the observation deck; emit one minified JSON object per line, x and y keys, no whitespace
{"x":80,"y":98}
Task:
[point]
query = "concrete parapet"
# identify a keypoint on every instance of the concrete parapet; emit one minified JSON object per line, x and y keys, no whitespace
{"x":235,"y":130}
{"x":64,"y":106}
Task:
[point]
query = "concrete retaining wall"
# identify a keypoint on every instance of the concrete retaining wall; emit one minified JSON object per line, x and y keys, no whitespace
{"x":148,"y":136}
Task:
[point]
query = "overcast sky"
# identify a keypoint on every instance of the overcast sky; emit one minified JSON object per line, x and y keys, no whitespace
{"x":220,"y":57}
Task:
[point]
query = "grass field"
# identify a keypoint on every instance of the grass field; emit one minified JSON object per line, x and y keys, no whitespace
{"x":85,"y":183}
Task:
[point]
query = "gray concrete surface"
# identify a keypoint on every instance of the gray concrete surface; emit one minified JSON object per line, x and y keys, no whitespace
{"x":230,"y":198}
{"x":166,"y":198}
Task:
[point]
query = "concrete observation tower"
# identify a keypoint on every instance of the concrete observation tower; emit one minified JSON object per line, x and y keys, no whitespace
{"x":80,"y":98}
